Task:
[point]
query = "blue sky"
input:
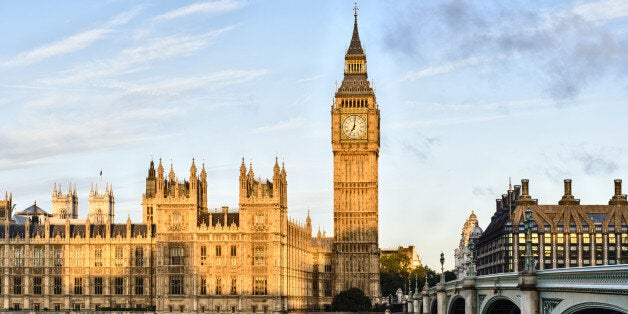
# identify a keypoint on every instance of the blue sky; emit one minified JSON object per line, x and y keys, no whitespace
{"x":470,"y":92}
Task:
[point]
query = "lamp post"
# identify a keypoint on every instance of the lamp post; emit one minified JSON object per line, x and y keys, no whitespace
{"x":442,"y":267}
{"x":527,"y":225}
{"x":471,"y":272}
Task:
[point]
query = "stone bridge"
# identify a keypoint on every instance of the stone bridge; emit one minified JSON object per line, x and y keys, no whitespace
{"x":597,"y":289}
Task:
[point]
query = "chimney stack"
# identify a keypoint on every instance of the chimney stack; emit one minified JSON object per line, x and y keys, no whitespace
{"x":568,"y":199}
{"x":525,"y":198}
{"x":618,"y":198}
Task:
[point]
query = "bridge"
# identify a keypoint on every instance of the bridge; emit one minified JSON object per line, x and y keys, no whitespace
{"x":596,"y":289}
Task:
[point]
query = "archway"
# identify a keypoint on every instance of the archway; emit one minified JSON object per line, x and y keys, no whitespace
{"x":457,"y":306}
{"x":501,"y":306}
{"x":595,"y":308}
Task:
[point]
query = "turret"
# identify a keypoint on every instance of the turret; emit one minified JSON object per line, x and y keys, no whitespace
{"x":151,"y":181}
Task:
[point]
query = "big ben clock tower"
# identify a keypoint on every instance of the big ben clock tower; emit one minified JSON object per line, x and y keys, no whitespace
{"x":355,"y":144}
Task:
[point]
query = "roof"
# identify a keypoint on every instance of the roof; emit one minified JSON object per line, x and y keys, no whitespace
{"x":355,"y":46}
{"x":31,"y":211}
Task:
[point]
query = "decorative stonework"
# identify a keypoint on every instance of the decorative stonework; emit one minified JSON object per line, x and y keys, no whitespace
{"x":549,"y":305}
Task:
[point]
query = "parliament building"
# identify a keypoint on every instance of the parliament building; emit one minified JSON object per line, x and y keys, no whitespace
{"x":186,"y":257}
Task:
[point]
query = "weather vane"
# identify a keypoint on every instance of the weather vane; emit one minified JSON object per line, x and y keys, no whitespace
{"x":355,"y":7}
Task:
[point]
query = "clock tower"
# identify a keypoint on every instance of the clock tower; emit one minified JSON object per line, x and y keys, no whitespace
{"x":355,"y":144}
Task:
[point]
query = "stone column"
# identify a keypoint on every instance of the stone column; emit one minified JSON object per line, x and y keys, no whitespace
{"x":441,"y":298}
{"x":416,"y":302}
{"x":529,"y":294}
{"x":426,"y":301}
{"x":470,"y":295}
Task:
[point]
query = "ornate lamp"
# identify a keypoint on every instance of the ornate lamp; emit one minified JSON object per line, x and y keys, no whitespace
{"x":442,"y":267}
{"x":527,"y":225}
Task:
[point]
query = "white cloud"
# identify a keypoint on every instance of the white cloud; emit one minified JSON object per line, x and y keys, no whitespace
{"x":71,"y":44}
{"x":209,"y":7}
{"x":602,"y":10}
{"x":290,"y":124}
{"x":132,"y":59}
{"x":449,"y":67}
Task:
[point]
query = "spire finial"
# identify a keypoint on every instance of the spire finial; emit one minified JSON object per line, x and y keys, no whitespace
{"x":355,"y":8}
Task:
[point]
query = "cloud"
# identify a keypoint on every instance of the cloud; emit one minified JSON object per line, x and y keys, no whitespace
{"x":594,"y":164}
{"x":484,"y":191}
{"x":220,"y":6}
{"x":448,"y":67}
{"x":569,"y":45}
{"x":421,"y":146}
{"x":70,"y":44}
{"x":134,"y":59}
{"x":309,"y":79}
{"x":290,"y":124}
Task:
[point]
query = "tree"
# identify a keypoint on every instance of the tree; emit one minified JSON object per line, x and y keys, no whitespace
{"x":351,"y":300}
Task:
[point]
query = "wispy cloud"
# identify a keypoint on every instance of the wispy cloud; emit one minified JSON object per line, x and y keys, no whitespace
{"x":602,"y":10}
{"x":309,"y":79}
{"x":290,"y":124}
{"x":70,"y":44}
{"x":449,"y":67}
{"x":133,"y":59}
{"x":209,"y":7}
{"x":421,"y":146}
{"x":570,"y":45}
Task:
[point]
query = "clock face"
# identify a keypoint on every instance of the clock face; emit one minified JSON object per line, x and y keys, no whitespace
{"x":354,"y":126}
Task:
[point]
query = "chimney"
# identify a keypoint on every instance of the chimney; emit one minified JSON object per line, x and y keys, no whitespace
{"x":618,"y":198}
{"x":567,"y":198}
{"x":525,"y":198}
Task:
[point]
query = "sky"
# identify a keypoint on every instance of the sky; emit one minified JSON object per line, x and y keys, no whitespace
{"x":471,"y":93}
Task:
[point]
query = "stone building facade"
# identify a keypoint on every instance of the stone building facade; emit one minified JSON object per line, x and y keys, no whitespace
{"x":471,"y":232}
{"x":564,"y":235}
{"x":355,"y":144}
{"x":186,"y":257}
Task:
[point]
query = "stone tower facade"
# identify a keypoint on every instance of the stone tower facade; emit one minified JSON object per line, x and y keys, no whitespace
{"x":64,"y":206}
{"x":355,"y":144}
{"x":101,"y":206}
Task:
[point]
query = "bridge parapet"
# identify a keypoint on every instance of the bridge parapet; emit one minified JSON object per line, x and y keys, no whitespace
{"x":544,"y":291}
{"x":593,"y":279}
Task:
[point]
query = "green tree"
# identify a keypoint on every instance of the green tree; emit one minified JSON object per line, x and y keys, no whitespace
{"x":351,"y":300}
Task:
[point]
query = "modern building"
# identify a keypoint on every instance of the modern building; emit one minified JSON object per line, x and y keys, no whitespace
{"x":564,"y":235}
{"x":186,"y":257}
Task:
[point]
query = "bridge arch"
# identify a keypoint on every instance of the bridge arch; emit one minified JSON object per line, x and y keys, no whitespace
{"x":433,"y":306}
{"x":457,"y":305}
{"x":501,"y":305}
{"x":595,"y":308}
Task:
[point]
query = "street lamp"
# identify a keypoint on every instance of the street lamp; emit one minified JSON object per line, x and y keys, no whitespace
{"x":527,"y":225}
{"x":471,"y":272}
{"x":442,"y":267}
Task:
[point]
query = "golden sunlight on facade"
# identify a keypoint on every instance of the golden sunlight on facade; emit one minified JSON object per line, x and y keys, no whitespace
{"x":186,"y":257}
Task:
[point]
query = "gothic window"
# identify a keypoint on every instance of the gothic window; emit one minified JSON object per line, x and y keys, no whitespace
{"x":560,"y":250}
{"x":58,"y":256}
{"x":259,"y":255}
{"x":176,"y":255}
{"x":573,"y":249}
{"x":57,"y":285}
{"x":119,"y":256}
{"x":139,"y":257}
{"x":78,"y":285}
{"x":218,"y":286}
{"x":259,"y":220}
{"x":259,"y":285}
{"x":203,"y":286}
{"x":98,"y":257}
{"x":98,"y":285}
{"x":77,"y":255}
{"x":38,"y":258}
{"x":176,"y":284}
{"x":139,"y":285}
{"x":18,"y":257}
{"x":37,"y":285}
{"x":118,"y":283}
{"x":218,"y":250}
{"x":234,"y":283}
{"x":599,"y":249}
{"x":17,"y":285}
{"x":203,"y":255}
